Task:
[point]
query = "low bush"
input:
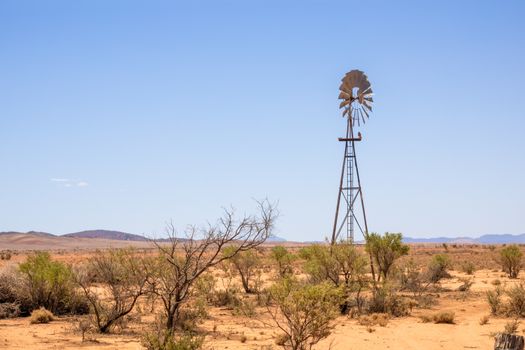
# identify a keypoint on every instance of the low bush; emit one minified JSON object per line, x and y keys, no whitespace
{"x":511,"y":327}
{"x":304,"y":312}
{"x":465,"y":286}
{"x":468,"y":267}
{"x":387,"y":300}
{"x":516,"y":301}
{"x":484,"y":320}
{"x":374,"y":319}
{"x":9,"y":310}
{"x":510,"y":258}
{"x":168,"y":341}
{"x":495,"y":301}
{"x":41,"y":315}
{"x":438,"y":268}
{"x":283,"y":258}
{"x":444,"y":317}
{"x":49,"y":284}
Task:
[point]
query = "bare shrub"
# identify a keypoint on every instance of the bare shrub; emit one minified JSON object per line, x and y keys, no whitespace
{"x":510,"y":258}
{"x":303,"y":312}
{"x":122,"y":276}
{"x":9,"y":310}
{"x":411,"y":279}
{"x":183,"y":261}
{"x":465,"y":286}
{"x":41,"y":315}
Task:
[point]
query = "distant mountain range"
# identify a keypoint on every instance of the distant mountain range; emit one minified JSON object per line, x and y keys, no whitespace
{"x":485,"y":239}
{"x":124,"y":236}
{"x":107,"y":234}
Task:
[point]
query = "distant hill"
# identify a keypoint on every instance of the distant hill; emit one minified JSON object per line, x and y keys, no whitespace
{"x":34,"y":233}
{"x":106,"y":234}
{"x":485,"y":239}
{"x":273,"y":238}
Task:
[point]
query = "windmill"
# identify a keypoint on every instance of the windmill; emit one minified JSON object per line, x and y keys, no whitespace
{"x":356,"y":95}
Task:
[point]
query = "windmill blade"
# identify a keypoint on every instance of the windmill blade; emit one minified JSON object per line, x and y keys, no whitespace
{"x":344,"y":95}
{"x":344,"y":103}
{"x":369,"y":98}
{"x":362,"y":116}
{"x":364,"y":111}
{"x":367,"y":90}
{"x":367,"y":105}
{"x":345,"y":112}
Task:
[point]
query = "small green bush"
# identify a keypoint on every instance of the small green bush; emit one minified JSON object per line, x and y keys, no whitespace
{"x":283,"y":258}
{"x":468,"y":267}
{"x":41,"y":316}
{"x":516,"y":301}
{"x":510,"y":258}
{"x":438,"y":268}
{"x":494,"y":300}
{"x":167,"y":341}
{"x":49,"y":284}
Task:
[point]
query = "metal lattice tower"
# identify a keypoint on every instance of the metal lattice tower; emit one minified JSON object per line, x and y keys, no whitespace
{"x":356,"y":94}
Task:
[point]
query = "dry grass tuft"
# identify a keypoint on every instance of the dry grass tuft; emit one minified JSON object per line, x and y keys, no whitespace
{"x":484,"y":320}
{"x":41,"y":316}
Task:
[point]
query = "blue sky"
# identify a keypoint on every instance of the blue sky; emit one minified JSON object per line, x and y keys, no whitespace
{"x":127,"y":114}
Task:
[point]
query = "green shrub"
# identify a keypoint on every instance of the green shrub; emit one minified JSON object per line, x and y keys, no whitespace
{"x":304,"y":312}
{"x":167,"y":341}
{"x":516,"y":301}
{"x":247,"y":264}
{"x":510,"y":258}
{"x":320,"y":265}
{"x":385,"y":250}
{"x":438,"y":268}
{"x":49,"y":284}
{"x":494,"y":300}
{"x":468,"y":267}
{"x":386,"y":300}
{"x":41,"y":316}
{"x":283,"y":258}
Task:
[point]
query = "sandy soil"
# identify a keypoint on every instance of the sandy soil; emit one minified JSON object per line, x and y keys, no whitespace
{"x":225,"y":331}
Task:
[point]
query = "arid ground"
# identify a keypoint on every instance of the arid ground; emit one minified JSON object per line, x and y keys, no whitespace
{"x":224,"y":330}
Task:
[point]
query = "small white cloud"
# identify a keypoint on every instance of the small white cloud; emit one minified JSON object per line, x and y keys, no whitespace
{"x":69,"y":182}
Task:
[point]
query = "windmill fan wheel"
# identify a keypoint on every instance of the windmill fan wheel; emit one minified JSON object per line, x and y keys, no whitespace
{"x":356,"y":93}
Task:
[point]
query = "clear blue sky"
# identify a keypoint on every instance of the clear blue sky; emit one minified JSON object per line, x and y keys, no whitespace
{"x":126,"y":114}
